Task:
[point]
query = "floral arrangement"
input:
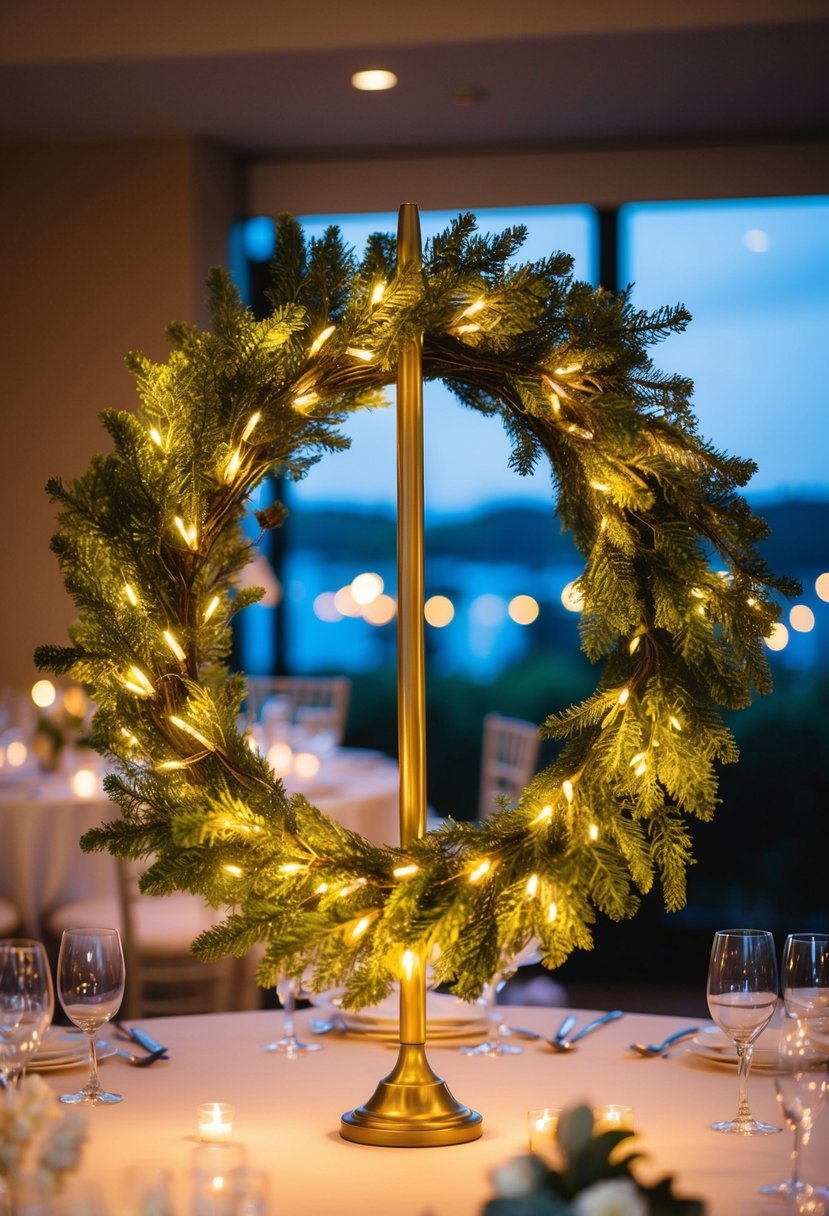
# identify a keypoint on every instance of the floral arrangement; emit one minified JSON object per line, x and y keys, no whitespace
{"x":594,"y":1179}
{"x":40,"y":1141}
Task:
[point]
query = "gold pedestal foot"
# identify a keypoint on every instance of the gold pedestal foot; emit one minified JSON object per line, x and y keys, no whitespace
{"x":411,"y":1108}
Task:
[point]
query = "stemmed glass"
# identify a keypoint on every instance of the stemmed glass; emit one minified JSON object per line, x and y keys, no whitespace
{"x":742,"y":995}
{"x":91,"y":988}
{"x":802,"y":1085}
{"x":288,"y":1044}
{"x":27,"y":1004}
{"x":493,"y":1044}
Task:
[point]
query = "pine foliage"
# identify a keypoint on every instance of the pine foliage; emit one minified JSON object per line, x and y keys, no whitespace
{"x":676,"y":602}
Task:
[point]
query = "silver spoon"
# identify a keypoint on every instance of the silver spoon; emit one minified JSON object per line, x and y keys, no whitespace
{"x":562,"y":1044}
{"x":658,"y":1049}
{"x":140,"y":1061}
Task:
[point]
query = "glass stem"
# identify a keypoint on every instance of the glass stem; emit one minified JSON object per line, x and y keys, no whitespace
{"x":491,"y":1001}
{"x":794,"y":1173}
{"x":93,"y":1085}
{"x":289,"y":1005}
{"x":744,"y":1054}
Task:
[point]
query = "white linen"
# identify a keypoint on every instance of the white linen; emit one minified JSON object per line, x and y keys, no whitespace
{"x":288,"y":1113}
{"x":41,"y":822}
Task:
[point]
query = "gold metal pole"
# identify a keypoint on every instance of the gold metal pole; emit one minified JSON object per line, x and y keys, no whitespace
{"x":411,"y":1107}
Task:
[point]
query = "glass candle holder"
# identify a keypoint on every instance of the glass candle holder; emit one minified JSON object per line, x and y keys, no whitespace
{"x":542,"y":1125}
{"x":215,"y":1122}
{"x":613,"y":1118}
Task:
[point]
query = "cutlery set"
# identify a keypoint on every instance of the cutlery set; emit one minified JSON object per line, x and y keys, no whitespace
{"x":562,"y":1040}
{"x":134,"y":1034}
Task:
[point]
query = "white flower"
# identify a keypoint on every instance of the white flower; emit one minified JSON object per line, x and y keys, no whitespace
{"x":37,"y":1136}
{"x":612,"y":1197}
{"x":519,"y":1177}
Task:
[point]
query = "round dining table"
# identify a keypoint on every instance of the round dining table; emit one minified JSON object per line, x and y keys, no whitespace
{"x":287,"y":1115}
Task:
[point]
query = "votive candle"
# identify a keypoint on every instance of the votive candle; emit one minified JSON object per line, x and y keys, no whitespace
{"x":215,"y":1121}
{"x":542,"y":1125}
{"x":613,"y":1118}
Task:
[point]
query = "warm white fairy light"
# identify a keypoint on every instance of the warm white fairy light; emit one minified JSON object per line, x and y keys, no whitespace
{"x":174,"y":646}
{"x":675,"y":723}
{"x":321,"y":889}
{"x":406,"y":871}
{"x":471,"y":328}
{"x":344,"y":892}
{"x":480,"y":871}
{"x":139,"y":683}
{"x":235,"y":871}
{"x":593,"y":832}
{"x":155,"y":435}
{"x":170,"y":765}
{"x":567,"y":789}
{"x":544,"y":815}
{"x":552,"y":912}
{"x":191,"y":731}
{"x":291,"y":867}
{"x":697,"y":593}
{"x":532,"y":886}
{"x":321,"y":339}
{"x":360,"y":928}
{"x":475,"y":307}
{"x":303,"y":400}
{"x":129,"y":736}
{"x":624,"y":696}
{"x":359,"y":352}
{"x":189,"y":534}
{"x":568,"y":370}
{"x":601,"y":486}
{"x":250,"y":426}
{"x":232,"y":466}
{"x":129,"y":592}
{"x":378,"y":291}
{"x":211,"y":608}
{"x":578,"y":432}
{"x":634,"y":644}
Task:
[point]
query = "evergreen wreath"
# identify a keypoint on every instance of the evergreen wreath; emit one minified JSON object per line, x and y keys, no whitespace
{"x":676,"y":603}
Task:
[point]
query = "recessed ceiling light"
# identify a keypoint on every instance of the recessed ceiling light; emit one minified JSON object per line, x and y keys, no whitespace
{"x":374,"y":80}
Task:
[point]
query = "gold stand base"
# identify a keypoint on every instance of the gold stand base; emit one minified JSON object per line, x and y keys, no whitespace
{"x":411,"y":1108}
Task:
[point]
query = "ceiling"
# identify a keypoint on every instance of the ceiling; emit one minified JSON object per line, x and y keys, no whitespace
{"x":537,"y":83}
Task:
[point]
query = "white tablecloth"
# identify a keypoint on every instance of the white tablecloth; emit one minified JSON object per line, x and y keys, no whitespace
{"x":41,"y":823}
{"x":288,"y":1112}
{"x":41,"y":862}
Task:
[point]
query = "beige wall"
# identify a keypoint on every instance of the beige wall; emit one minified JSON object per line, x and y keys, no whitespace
{"x":101,"y":246}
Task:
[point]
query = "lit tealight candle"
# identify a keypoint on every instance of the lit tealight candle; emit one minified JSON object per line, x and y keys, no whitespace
{"x":215,"y":1121}
{"x":542,"y":1125}
{"x":613,"y":1118}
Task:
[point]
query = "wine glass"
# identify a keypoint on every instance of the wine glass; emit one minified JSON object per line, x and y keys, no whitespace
{"x":801,"y":1086}
{"x":27,"y":1004}
{"x":742,"y":995}
{"x":288,"y":1044}
{"x":91,"y":988}
{"x":805,"y":984}
{"x":493,"y":1044}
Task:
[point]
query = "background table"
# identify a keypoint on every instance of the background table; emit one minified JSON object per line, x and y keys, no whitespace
{"x":41,"y":822}
{"x":288,"y":1111}
{"x":41,"y":862}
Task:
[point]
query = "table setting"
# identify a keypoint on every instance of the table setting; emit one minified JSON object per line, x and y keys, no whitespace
{"x":209,"y":1080}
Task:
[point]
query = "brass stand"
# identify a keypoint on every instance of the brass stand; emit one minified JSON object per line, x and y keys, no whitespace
{"x":411,"y":1107}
